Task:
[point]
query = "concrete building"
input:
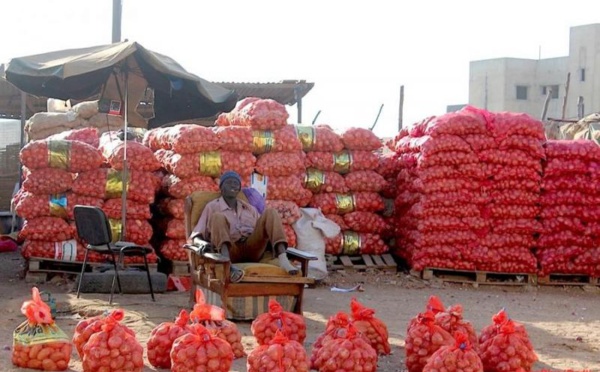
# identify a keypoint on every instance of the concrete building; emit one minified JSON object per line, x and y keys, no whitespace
{"x":521,"y":85}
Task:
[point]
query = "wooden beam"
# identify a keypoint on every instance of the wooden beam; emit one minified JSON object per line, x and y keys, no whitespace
{"x":564,"y":107}
{"x":546,"y":103}
{"x":401,"y":108}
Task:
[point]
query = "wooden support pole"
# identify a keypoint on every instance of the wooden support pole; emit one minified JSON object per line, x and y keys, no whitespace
{"x":401,"y":108}
{"x":564,"y":107}
{"x":546,"y":103}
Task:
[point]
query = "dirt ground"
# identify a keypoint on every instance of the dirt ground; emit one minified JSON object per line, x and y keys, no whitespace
{"x":563,"y":323}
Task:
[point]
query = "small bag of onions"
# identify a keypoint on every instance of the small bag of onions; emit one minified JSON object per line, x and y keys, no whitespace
{"x":370,"y":326}
{"x":199,"y":350}
{"x":213,"y":319}
{"x":113,"y":349}
{"x":266,"y":325}
{"x":509,"y":350}
{"x":452,"y":321}
{"x":162,"y":338}
{"x":457,"y":357}
{"x":280,"y":355}
{"x":87,"y":327}
{"x":423,"y":339}
{"x":434,"y":304}
{"x":349,"y":351}
{"x":336,"y":322}
{"x":493,"y":329}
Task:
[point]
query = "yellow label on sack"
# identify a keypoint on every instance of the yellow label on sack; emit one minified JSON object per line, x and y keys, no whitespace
{"x":263,"y":141}
{"x":28,"y":334}
{"x":342,"y":162}
{"x":114,"y":183}
{"x":350,"y":243}
{"x":314,"y":179}
{"x":116,"y":227}
{"x":344,"y":203}
{"x":59,"y":154}
{"x":307,"y":136}
{"x":210,"y":164}
{"x":57,"y":204}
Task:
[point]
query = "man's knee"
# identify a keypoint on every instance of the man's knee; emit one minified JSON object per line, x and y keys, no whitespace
{"x":271,"y":214}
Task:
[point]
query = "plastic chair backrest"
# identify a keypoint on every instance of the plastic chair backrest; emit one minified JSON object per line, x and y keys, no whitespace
{"x":92,"y":225}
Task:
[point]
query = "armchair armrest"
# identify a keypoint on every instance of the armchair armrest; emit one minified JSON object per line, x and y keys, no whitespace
{"x":296,"y":253}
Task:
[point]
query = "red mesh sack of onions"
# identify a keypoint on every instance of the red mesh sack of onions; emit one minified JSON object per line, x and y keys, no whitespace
{"x":365,"y":222}
{"x":85,"y":328}
{"x":366,"y":180}
{"x":509,"y":350}
{"x":342,"y":162}
{"x":319,"y":138}
{"x":458,"y":357}
{"x":183,"y":139}
{"x":280,"y":164}
{"x":47,"y":181}
{"x":562,"y":167}
{"x":260,"y":114}
{"x":290,"y":235}
{"x":211,"y":164}
{"x":432,"y":145}
{"x":336,"y":322}
{"x":172,"y":207}
{"x":181,"y":188}
{"x":139,"y":157}
{"x":200,"y":350}
{"x":280,"y":140}
{"x":423,"y":339}
{"x":360,"y":139}
{"x":317,"y":181}
{"x":490,"y":331}
{"x":108,"y":183}
{"x":114,"y":348}
{"x":213,"y":318}
{"x":370,"y":326}
{"x":266,"y":325}
{"x":135,"y":210}
{"x":72,"y":156}
{"x":388,"y":164}
{"x":53,"y":250}
{"x":352,"y":243}
{"x":281,"y":354}
{"x":172,"y":249}
{"x":137,"y":231}
{"x":228,"y":118}
{"x":339,"y":220}
{"x":88,"y":135}
{"x":30,"y":205}
{"x":507,"y":124}
{"x":235,"y":138}
{"x":288,"y":188}
{"x":450,"y":158}
{"x":287,"y":210}
{"x":434,"y":305}
{"x":175,"y":228}
{"x":474,"y":171}
{"x":460,"y":123}
{"x":480,"y":142}
{"x":532,"y":146}
{"x":513,"y":158}
{"x":572,"y":149}
{"x":331,"y":203}
{"x":452,"y":321}
{"x":348,"y":351}
{"x":162,"y":338}
{"x":46,"y":228}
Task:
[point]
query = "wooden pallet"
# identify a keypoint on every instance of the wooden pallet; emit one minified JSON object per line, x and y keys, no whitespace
{"x":384,"y":262}
{"x":568,"y":279}
{"x":39,"y":269}
{"x":477,"y":277}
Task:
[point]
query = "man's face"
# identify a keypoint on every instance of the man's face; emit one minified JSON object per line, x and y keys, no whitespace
{"x":230,"y":188}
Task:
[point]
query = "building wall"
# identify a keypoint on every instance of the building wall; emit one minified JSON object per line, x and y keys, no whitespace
{"x":493,"y":83}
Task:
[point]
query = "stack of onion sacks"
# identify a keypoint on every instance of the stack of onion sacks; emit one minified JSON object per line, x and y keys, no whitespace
{"x":200,"y":350}
{"x":266,"y":325}
{"x":349,"y":351}
{"x":423,"y":339}
{"x":162,"y":338}
{"x":281,"y":354}
{"x":363,"y":318}
{"x":457,"y":357}
{"x":213,"y":319}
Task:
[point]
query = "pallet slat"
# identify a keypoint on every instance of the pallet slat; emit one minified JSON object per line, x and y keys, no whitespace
{"x":568,"y":279}
{"x":478,"y":277}
{"x":361,"y":263}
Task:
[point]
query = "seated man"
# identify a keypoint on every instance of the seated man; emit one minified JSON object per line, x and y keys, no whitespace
{"x":238,"y":231}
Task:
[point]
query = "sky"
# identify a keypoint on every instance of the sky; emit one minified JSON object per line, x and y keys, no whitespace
{"x":357,"y":53}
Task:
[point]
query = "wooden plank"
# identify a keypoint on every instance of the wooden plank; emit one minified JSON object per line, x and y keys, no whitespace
{"x":567,"y":279}
{"x":362,"y":262}
{"x":389,"y":260}
{"x":39,"y":265}
{"x":479,"y":277}
{"x":346,"y":261}
{"x":368,"y":260}
{"x":378,"y":261}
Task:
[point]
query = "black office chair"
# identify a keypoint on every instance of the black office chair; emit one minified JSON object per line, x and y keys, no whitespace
{"x":94,"y":229}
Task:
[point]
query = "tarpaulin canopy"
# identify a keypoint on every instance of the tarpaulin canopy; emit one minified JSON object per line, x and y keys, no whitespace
{"x":108,"y":69}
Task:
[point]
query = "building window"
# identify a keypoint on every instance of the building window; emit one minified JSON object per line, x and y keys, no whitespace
{"x":521,"y":92}
{"x":582,"y":74}
{"x":554,"y":89}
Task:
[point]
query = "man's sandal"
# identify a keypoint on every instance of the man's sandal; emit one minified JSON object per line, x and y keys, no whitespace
{"x":235,"y":274}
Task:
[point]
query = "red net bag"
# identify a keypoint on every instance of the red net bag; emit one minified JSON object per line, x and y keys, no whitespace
{"x":47,"y":181}
{"x":172,"y":249}
{"x":288,"y":188}
{"x":458,"y":357}
{"x":342,"y":162}
{"x":320,"y":181}
{"x":181,"y":188}
{"x":336,"y":322}
{"x":434,"y":305}
{"x":280,"y":140}
{"x":175,"y":229}
{"x":452,"y":321}
{"x":137,"y":231}
{"x":71,"y":156}
{"x":139,"y":157}
{"x":182,"y":138}
{"x":108,"y":183}
{"x":349,"y":351}
{"x":367,"y":180}
{"x":366,"y":222}
{"x":213,"y":318}
{"x":507,"y":124}
{"x":259,"y":114}
{"x":331,"y":203}
{"x":135,"y":210}
{"x":339,"y":220}
{"x":199,"y":350}
{"x":509,"y":350}
{"x":530,"y":145}
{"x":30,"y":205}
{"x":38,"y":343}
{"x":211,"y":164}
{"x":281,"y":355}
{"x":281,"y":164}
{"x":352,"y":243}
{"x":114,"y":348}
{"x":490,"y":331}
{"x":370,"y":326}
{"x":69,"y":250}
{"x":162,"y":338}
{"x":235,"y":138}
{"x":422,"y":340}
{"x":461,"y":123}
{"x":290,"y":235}
{"x":172,"y":207}
{"x":287,"y":210}
{"x":360,"y":139}
{"x":87,"y":327}
{"x":319,"y":138}
{"x":388,"y":164}
{"x":89,"y":135}
{"x":264,"y":327}
{"x":46,"y":228}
